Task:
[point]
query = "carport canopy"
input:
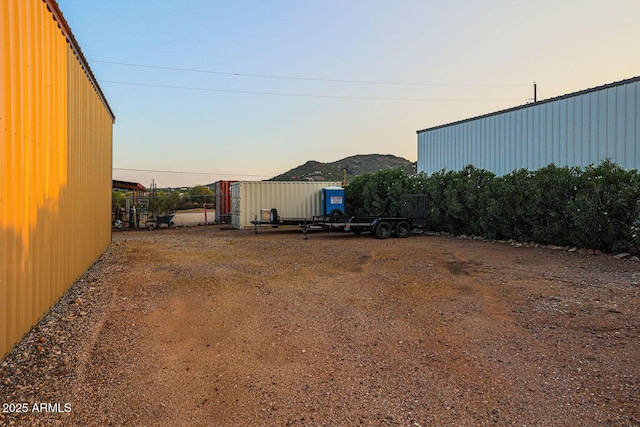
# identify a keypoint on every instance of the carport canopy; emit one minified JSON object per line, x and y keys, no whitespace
{"x":125,"y":185}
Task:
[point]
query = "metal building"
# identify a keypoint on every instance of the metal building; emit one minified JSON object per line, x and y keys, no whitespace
{"x":577,"y":129}
{"x":55,"y":164}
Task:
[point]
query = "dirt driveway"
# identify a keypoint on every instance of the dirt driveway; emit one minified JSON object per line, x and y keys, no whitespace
{"x":208,"y":326}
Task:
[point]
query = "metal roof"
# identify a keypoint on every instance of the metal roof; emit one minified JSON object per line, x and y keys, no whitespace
{"x":546,"y":101}
{"x":126,"y":185}
{"x":73,"y":43}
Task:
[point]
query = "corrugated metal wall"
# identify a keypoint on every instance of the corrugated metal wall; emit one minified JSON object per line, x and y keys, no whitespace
{"x":292,"y":199}
{"x":55,"y":148}
{"x":572,"y":130}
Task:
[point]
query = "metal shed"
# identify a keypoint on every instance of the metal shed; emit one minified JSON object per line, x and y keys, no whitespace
{"x":577,"y":129}
{"x":56,"y":131}
{"x":294,"y":199}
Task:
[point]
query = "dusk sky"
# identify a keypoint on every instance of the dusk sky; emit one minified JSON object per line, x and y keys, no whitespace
{"x":205,"y":90}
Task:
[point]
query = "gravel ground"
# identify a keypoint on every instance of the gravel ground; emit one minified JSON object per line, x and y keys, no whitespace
{"x":211,"y":326}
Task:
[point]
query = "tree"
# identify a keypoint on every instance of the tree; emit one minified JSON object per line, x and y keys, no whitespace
{"x":198,"y":195}
{"x":161,"y":203}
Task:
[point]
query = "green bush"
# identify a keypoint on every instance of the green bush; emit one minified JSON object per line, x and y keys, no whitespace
{"x":507,"y":206}
{"x":459,"y":201}
{"x":604,"y":212}
{"x":378,"y":193}
{"x":594,"y":207}
{"x":530,"y":206}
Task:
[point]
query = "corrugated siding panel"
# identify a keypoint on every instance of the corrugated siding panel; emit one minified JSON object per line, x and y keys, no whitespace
{"x":55,"y":180}
{"x":292,"y":199}
{"x":574,"y":130}
{"x":89,"y":156}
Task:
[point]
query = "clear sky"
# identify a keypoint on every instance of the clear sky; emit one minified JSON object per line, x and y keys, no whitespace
{"x":237,"y":89}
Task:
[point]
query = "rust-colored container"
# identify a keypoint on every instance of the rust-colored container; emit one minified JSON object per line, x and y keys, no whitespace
{"x":223,"y":201}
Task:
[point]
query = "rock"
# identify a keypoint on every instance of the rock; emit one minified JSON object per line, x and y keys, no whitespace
{"x":622,"y":255}
{"x":573,"y":249}
{"x":634,"y":258}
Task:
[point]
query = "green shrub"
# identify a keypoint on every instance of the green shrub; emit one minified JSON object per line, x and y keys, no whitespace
{"x":604,"y":212}
{"x":598,"y":207}
{"x":459,"y":201}
{"x":378,"y":193}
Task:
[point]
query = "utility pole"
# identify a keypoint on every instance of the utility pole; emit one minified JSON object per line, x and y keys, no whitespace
{"x":535,"y":92}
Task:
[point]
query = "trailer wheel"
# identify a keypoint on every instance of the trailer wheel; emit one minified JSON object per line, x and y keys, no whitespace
{"x":273,"y":216}
{"x":335,"y":215}
{"x":403,"y":229}
{"x":383,"y":230}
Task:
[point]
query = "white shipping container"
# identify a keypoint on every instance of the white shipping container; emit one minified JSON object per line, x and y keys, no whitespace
{"x":292,"y":199}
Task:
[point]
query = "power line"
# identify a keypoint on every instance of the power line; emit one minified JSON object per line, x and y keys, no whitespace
{"x":188,"y":173}
{"x":303,"y":95}
{"x":266,"y":76}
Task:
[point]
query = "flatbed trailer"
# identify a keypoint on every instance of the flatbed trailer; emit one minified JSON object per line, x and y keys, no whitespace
{"x":382,"y":227}
{"x":413,"y":219}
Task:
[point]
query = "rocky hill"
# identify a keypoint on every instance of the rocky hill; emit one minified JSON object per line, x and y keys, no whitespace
{"x":354,"y":165}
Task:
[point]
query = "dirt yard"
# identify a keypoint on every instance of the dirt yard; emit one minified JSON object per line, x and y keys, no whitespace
{"x":208,"y":326}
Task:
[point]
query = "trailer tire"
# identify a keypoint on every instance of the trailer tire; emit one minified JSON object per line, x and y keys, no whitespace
{"x":335,"y":215}
{"x":403,"y":229}
{"x":273,"y":216}
{"x":383,"y":230}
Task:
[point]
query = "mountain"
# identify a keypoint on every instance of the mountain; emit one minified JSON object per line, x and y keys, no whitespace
{"x":354,"y":165}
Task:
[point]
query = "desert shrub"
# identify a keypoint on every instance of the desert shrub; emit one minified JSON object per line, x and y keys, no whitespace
{"x":165,"y":204}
